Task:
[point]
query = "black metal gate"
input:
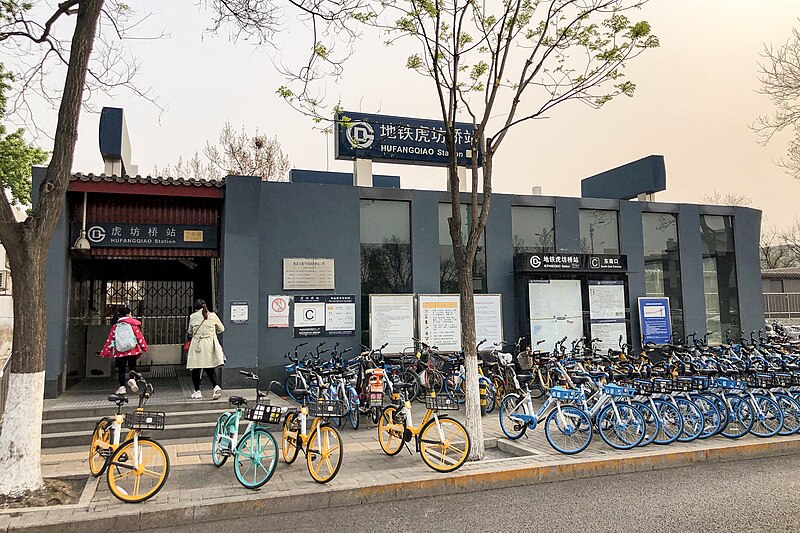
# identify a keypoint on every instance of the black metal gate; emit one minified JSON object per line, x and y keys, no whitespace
{"x":164,"y":307}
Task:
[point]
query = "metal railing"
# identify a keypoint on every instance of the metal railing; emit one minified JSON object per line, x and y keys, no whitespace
{"x":5,"y":375}
{"x":779,"y":305}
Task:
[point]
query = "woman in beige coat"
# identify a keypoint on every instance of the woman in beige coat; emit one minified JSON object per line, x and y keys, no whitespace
{"x":205,"y":351}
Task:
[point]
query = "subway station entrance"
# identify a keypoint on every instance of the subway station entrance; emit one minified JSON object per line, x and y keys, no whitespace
{"x":573,"y":296}
{"x":155,"y":251}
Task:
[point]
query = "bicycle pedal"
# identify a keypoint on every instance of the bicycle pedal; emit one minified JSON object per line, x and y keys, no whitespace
{"x":123,"y":458}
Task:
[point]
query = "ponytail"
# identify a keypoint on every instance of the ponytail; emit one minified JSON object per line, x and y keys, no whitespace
{"x":201,"y":305}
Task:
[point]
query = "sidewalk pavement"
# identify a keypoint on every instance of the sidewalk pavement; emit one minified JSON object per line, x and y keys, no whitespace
{"x":196,"y":491}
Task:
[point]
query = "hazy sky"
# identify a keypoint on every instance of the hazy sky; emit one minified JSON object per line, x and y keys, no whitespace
{"x":696,"y":97}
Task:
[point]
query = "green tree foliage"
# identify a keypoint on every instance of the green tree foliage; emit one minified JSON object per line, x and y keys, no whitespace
{"x":17,"y":156}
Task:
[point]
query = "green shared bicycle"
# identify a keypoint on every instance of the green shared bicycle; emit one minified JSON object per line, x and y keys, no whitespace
{"x":254,"y":452}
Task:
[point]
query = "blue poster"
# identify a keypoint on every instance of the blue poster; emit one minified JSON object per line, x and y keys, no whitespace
{"x":654,"y":320}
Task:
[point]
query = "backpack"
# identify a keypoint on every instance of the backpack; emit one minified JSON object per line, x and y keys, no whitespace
{"x":124,"y":338}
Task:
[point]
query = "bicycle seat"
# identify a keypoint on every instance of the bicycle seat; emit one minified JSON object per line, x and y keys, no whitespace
{"x":523,"y":378}
{"x":300,"y":393}
{"x":403,"y":386}
{"x":118,"y":398}
{"x":237,"y":400}
{"x":579,"y":379}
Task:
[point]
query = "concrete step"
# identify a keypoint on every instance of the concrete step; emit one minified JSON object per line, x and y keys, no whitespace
{"x":95,"y":410}
{"x":86,"y":424}
{"x":172,"y":431}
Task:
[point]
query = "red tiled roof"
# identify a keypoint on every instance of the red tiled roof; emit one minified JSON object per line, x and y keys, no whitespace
{"x":152,"y":180}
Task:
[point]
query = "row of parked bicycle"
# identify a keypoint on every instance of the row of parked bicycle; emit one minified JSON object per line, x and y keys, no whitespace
{"x":679,"y":392}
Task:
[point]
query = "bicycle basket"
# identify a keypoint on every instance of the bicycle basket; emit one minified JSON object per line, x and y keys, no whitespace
{"x":783,"y":380}
{"x":564,"y":394}
{"x":730,"y":384}
{"x":643,"y":386}
{"x":683,"y":384}
{"x":374,"y":398}
{"x":795,"y":378}
{"x":701,"y":383}
{"x":442,"y":365}
{"x":409,"y":360}
{"x":440,"y":402}
{"x":327,"y":408}
{"x":662,"y":385}
{"x":266,"y":414}
{"x":525,"y":361}
{"x":145,"y":420}
{"x":759,"y":381}
{"x":619,"y":391}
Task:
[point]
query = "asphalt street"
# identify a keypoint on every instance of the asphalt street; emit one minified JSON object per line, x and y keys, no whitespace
{"x":757,"y":495}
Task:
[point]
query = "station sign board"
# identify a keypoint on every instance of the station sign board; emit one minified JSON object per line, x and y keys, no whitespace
{"x":111,"y":235}
{"x":390,"y":139}
{"x":547,"y":262}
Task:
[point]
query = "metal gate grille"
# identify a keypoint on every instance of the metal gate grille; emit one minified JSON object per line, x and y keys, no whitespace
{"x":163,"y":305}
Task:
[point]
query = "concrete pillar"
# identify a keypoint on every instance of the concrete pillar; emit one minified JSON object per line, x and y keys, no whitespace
{"x":362,"y":172}
{"x":567,"y":225}
{"x":464,"y":179}
{"x":631,"y":242}
{"x":691,"y":253}
{"x":747,"y":235}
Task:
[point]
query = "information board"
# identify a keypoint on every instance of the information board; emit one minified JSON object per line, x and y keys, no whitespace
{"x":556,"y":310}
{"x":439,"y":317}
{"x":654,"y":320}
{"x":607,"y":313}
{"x":303,"y":273}
{"x":340,"y":315}
{"x":391,"y":318}
{"x":309,"y":316}
{"x":488,"y":319}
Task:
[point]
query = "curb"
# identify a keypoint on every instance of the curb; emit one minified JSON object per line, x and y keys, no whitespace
{"x":496,"y":474}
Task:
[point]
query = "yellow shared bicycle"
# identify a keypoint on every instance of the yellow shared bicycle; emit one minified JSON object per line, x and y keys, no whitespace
{"x":321,"y":443}
{"x":442,"y":442}
{"x":137,"y":466}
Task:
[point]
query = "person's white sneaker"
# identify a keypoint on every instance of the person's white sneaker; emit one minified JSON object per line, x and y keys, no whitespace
{"x":197,"y":395}
{"x":217,"y":393}
{"x":121,"y":390}
{"x":133,"y":386}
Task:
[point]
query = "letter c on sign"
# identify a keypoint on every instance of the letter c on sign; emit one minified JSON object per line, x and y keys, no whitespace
{"x":309,"y":314}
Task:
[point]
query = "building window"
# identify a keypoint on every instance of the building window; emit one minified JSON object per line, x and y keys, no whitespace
{"x":719,"y":277}
{"x":532,"y":229}
{"x":662,"y":265}
{"x":599,"y":232}
{"x":448,"y":278}
{"x":385,"y":253}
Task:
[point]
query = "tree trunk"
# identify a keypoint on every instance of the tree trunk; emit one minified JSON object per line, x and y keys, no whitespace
{"x":21,"y":433}
{"x":474,"y":422}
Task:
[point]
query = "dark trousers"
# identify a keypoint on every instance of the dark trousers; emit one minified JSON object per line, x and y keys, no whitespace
{"x":197,"y":376}
{"x":121,"y":363}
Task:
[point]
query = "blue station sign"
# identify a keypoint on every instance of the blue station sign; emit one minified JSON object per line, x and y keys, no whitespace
{"x":389,"y":139}
{"x":654,"y":320}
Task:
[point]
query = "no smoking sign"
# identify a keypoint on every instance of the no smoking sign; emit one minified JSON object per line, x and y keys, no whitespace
{"x":278,"y":305}
{"x":278,"y":312}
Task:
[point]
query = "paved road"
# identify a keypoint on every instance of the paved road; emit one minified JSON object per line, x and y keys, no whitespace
{"x":759,"y":495}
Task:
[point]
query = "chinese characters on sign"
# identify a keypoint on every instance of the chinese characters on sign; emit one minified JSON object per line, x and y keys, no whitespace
{"x":301,"y":273}
{"x":109,"y":235}
{"x":654,"y":320}
{"x":333,"y":315}
{"x":400,"y":139}
{"x":573,"y":262}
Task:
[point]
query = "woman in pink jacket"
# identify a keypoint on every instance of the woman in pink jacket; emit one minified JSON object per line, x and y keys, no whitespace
{"x":125,"y":344}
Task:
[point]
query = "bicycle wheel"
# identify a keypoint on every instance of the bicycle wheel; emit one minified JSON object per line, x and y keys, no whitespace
{"x":692,"y":420}
{"x":535,"y":386}
{"x":721,"y":406}
{"x":290,"y":441}
{"x":791,"y":414}
{"x":568,"y":429}
{"x":353,"y":415}
{"x":740,"y":417}
{"x":670,"y":422}
{"x":623,"y":431}
{"x":491,"y":399}
{"x":444,"y":444}
{"x":711,"y":416}
{"x":454,"y":388}
{"x":512,"y":427}
{"x":131,"y":483}
{"x":391,"y":431}
{"x":651,"y":424}
{"x":255,"y":459}
{"x":411,"y":377}
{"x":100,"y":447}
{"x":768,"y":417}
{"x":499,"y":388}
{"x":324,"y":454}
{"x":219,"y":453}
